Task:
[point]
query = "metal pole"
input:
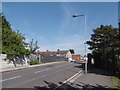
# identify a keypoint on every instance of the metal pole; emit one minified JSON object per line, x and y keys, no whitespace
{"x":85,"y":48}
{"x":85,"y":41}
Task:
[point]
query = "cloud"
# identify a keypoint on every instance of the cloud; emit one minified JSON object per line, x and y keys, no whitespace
{"x":66,"y":43}
{"x":64,"y":40}
{"x":66,"y":17}
{"x":35,"y":37}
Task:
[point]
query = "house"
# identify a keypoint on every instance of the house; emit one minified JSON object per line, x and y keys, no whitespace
{"x":48,"y":53}
{"x":64,"y":53}
{"x":76,"y":57}
{"x":59,"y":53}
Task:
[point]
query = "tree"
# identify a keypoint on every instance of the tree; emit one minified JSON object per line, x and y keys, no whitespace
{"x":118,"y":50}
{"x":0,"y":34}
{"x":103,"y":46}
{"x":33,"y":46}
{"x":13,"y":43}
{"x":72,"y":51}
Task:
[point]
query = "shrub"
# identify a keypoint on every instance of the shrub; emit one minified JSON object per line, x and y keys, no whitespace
{"x":34,"y":62}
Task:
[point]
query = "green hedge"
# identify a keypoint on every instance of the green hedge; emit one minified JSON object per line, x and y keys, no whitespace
{"x":34,"y":62}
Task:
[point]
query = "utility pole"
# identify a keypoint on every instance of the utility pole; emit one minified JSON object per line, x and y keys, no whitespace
{"x":74,"y":16}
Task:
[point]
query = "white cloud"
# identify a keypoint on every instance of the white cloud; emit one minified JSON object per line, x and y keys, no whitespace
{"x":67,"y":17}
{"x":65,"y":43}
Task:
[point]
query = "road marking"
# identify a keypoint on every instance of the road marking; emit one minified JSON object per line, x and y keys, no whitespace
{"x":72,"y":77}
{"x":75,"y":78}
{"x":43,"y":70}
{"x":10,"y":78}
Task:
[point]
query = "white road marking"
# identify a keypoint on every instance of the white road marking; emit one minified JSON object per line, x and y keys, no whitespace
{"x":72,"y":77}
{"x":75,"y":78}
{"x":43,"y":70}
{"x":10,"y":78}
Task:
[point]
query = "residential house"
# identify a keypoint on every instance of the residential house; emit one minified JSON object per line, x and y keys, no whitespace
{"x":64,"y":53}
{"x":48,"y":53}
{"x":76,"y":57}
{"x":59,"y":53}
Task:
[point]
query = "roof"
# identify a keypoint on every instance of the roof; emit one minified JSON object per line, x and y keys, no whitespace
{"x":62,"y":52}
{"x":53,"y":52}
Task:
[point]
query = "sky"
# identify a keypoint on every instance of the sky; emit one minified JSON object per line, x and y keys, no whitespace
{"x":52,"y":24}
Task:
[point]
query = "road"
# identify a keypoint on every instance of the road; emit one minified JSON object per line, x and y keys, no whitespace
{"x":35,"y":76}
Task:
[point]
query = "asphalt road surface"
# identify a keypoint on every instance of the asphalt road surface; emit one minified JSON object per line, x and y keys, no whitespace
{"x":35,"y":76}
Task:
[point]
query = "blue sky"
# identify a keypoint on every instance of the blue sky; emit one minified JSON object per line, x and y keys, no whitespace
{"x":52,"y":25}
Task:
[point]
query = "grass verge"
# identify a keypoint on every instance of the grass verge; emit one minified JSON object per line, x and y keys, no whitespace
{"x":115,"y":82}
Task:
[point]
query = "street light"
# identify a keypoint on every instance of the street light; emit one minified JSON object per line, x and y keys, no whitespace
{"x":74,"y":16}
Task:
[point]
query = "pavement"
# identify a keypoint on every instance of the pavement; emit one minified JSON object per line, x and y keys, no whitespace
{"x":7,"y":69}
{"x":93,"y":80}
{"x":57,"y":76}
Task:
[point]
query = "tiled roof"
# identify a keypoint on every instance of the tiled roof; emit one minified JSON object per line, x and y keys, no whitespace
{"x":62,"y":52}
{"x":54,"y":52}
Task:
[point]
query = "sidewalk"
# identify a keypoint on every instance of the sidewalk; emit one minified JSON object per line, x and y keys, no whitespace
{"x":26,"y":66}
{"x":93,"y":80}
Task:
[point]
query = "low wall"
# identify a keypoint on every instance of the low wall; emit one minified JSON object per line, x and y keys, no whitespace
{"x":48,"y":59}
{"x":8,"y":63}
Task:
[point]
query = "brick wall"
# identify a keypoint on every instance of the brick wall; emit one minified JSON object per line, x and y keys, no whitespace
{"x":76,"y":57}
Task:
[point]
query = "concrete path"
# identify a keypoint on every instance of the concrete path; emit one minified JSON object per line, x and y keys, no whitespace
{"x":92,"y":81}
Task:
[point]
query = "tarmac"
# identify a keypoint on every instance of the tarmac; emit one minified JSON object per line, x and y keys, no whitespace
{"x":93,"y":80}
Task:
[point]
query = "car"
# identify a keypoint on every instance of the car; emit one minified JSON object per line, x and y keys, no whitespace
{"x":71,"y":60}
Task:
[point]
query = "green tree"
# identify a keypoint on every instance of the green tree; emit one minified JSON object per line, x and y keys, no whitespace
{"x":103,"y":45}
{"x":0,"y":34}
{"x":118,"y":50}
{"x":33,"y":46}
{"x":72,"y":51}
{"x":13,"y":43}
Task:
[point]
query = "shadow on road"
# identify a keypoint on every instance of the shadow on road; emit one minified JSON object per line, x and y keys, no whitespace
{"x":80,"y":66}
{"x":71,"y":86}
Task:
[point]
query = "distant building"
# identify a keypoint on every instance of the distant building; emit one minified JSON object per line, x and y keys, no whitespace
{"x":48,"y":53}
{"x":76,"y":57}
{"x":59,"y":53}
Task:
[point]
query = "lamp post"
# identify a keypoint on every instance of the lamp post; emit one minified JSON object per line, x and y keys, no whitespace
{"x":74,"y":16}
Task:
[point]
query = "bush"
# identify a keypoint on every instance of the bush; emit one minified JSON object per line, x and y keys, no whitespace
{"x":34,"y":62}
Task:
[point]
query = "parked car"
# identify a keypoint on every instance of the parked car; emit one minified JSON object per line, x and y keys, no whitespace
{"x":70,"y":60}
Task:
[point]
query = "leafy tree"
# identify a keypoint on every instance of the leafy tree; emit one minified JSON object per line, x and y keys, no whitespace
{"x":103,"y":44}
{"x":118,"y":50}
{"x":0,"y":34}
{"x":72,"y":51}
{"x":13,"y":43}
{"x":33,"y":46}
